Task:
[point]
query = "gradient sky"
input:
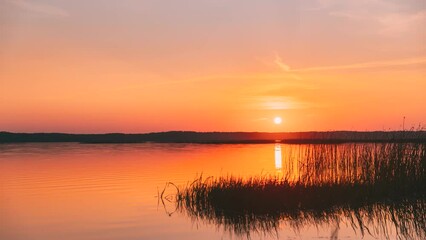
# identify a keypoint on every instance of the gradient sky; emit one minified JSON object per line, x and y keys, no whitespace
{"x":211,"y":65}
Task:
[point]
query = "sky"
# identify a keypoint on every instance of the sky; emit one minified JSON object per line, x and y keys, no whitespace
{"x":139,"y":66}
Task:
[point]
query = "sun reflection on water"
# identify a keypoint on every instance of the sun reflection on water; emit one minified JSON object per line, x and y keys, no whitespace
{"x":278,"y":157}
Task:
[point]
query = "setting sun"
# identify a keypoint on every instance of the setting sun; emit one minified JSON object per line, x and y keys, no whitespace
{"x":277,"y":120}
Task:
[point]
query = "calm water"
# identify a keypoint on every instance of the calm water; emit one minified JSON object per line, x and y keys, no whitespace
{"x":78,"y":191}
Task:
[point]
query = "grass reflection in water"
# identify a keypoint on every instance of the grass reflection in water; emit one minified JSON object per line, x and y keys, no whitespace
{"x":376,"y":188}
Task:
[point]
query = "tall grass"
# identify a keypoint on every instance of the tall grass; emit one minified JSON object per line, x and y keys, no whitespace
{"x":356,"y":163}
{"x":381,"y":183}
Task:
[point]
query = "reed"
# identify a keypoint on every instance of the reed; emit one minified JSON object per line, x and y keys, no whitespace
{"x":321,"y":182}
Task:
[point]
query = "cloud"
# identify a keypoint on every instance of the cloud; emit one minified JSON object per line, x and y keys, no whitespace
{"x":377,"y":64}
{"x":40,"y":8}
{"x":278,"y":61}
{"x":386,"y":17}
{"x":399,"y":22}
{"x":274,"y":103}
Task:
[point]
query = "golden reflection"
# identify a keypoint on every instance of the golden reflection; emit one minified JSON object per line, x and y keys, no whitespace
{"x":278,"y":157}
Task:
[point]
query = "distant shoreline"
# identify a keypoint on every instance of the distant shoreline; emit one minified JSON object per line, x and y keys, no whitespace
{"x":221,"y":137}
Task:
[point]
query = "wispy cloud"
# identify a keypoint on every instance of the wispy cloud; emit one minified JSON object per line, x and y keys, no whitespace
{"x":364,"y":65}
{"x":39,"y":8}
{"x":278,"y":61}
{"x":386,"y":17}
{"x":284,"y":67}
{"x":399,"y":22}
{"x":274,"y":103}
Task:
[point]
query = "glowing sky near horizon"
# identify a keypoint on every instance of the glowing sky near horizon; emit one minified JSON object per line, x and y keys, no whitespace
{"x":211,"y":65}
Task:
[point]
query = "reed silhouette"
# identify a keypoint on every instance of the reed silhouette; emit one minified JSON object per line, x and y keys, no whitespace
{"x":381,"y":185}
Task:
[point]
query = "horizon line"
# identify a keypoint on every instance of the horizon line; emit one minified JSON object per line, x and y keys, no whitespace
{"x":192,"y":131}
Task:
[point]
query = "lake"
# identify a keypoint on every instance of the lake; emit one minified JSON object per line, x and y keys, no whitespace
{"x":110,"y":191}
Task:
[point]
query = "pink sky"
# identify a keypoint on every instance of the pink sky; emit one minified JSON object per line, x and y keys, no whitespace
{"x":143,"y":66}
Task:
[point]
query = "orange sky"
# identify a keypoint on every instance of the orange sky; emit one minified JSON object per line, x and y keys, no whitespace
{"x":142,"y":66}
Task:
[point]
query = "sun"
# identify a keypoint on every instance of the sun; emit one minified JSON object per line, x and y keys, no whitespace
{"x":277,"y":120}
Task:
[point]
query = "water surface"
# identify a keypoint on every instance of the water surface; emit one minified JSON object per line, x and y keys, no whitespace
{"x":107,"y":191}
